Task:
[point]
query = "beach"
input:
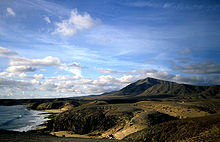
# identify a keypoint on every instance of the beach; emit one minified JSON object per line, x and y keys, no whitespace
{"x":21,"y":119}
{"x":38,"y":130}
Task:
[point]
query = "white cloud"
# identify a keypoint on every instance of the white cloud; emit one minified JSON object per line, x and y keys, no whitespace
{"x":107,"y":83}
{"x":14,"y":75}
{"x":10,"y":12}
{"x":21,"y":61}
{"x":6,"y":52}
{"x":47,"y":61}
{"x":65,"y":77}
{"x":76,"y":85}
{"x":48,"y":85}
{"x":19,"y":65}
{"x":75,"y":23}
{"x":38,"y":76}
{"x":22,"y":75}
{"x":47,"y":19}
{"x":3,"y":73}
{"x":35,"y":82}
{"x":74,"y":68}
{"x":75,"y":71}
{"x":20,"y":69}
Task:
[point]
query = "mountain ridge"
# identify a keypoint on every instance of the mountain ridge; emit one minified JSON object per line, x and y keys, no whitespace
{"x":154,"y":87}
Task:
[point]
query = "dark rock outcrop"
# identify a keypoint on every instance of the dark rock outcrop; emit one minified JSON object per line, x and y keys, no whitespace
{"x":47,"y":105}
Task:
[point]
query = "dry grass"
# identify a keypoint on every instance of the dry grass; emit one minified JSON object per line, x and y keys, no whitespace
{"x":181,"y":130}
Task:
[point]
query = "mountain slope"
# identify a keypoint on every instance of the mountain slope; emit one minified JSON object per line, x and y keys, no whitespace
{"x":151,"y":87}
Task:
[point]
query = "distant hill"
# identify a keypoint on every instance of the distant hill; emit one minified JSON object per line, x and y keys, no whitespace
{"x":154,"y":88}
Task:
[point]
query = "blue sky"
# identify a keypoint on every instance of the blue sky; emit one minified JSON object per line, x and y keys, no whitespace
{"x":51,"y":48}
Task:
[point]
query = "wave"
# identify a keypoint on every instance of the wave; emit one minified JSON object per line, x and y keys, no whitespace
{"x":39,"y":119}
{"x":20,"y":118}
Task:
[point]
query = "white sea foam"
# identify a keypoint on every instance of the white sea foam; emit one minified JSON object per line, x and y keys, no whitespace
{"x":39,"y":118}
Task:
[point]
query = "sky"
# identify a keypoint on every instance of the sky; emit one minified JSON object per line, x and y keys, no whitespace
{"x":68,"y":48}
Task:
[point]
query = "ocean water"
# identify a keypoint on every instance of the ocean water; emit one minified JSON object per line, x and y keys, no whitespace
{"x":19,"y":118}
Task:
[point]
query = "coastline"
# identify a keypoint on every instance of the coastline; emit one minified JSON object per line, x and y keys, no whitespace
{"x":42,"y":133}
{"x":134,"y":121}
{"x":21,"y":118}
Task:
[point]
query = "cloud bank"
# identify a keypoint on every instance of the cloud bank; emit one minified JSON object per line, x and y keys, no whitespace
{"x":21,"y":75}
{"x":208,"y":67}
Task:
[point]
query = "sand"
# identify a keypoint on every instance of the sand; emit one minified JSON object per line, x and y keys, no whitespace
{"x":68,"y":134}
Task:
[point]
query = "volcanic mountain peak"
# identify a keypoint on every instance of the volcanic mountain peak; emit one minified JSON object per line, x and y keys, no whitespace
{"x":140,"y":86}
{"x":155,"y":87}
{"x":152,"y":81}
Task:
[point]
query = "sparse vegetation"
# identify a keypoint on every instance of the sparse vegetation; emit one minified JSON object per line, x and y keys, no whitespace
{"x":165,"y":117}
{"x":177,"y":130}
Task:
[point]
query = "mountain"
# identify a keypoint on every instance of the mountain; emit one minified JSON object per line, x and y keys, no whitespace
{"x":154,"y":88}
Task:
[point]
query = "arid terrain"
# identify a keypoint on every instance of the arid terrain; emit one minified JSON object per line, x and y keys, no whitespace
{"x":173,"y":118}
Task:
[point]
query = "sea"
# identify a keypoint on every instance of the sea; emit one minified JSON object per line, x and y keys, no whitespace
{"x":19,"y":118}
